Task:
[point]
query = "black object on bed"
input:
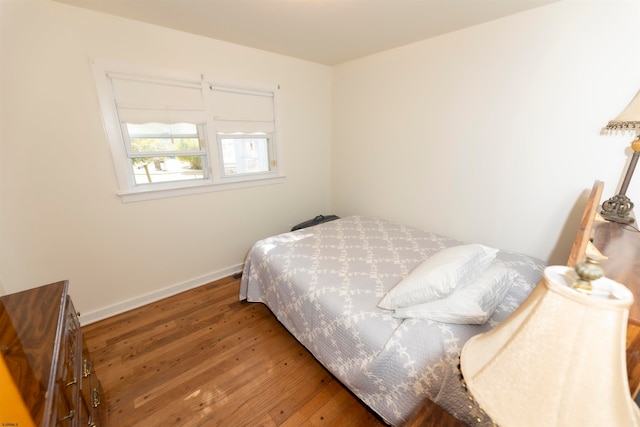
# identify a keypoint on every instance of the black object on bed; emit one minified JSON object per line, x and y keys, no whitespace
{"x":315,"y":221}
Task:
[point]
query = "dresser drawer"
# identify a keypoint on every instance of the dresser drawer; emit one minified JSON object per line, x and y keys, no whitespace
{"x":68,"y":370}
{"x":63,"y":414}
{"x":90,"y":392}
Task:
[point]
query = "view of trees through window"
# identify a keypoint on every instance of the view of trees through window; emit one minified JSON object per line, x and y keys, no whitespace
{"x":161,"y":152}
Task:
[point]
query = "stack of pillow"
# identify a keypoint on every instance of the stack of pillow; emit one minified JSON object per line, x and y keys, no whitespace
{"x":460,"y":285}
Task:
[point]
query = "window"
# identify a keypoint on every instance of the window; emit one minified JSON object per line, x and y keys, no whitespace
{"x":245,"y":128}
{"x":162,"y":152}
{"x":244,"y":154}
{"x":173,"y":134}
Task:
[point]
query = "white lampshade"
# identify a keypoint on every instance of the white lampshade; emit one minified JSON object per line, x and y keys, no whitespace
{"x":628,"y":120}
{"x":558,"y":360}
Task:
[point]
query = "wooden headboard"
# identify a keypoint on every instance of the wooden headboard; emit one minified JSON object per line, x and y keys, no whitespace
{"x":582,"y":240}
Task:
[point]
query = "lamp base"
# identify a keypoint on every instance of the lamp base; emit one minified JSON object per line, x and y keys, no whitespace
{"x":617,"y":209}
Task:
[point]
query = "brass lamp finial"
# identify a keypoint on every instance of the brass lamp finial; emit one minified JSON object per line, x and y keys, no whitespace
{"x":588,"y":271}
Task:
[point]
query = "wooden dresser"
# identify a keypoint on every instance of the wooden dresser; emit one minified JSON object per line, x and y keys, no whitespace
{"x":42,"y":346}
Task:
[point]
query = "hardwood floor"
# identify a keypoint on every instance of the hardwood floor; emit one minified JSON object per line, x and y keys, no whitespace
{"x":202,"y":358}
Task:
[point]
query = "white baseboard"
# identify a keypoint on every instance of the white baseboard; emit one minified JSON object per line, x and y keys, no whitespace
{"x":154,"y":296}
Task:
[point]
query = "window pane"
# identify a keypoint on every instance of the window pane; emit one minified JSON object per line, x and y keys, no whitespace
{"x":154,"y":137}
{"x":147,"y":170}
{"x":245,"y":155}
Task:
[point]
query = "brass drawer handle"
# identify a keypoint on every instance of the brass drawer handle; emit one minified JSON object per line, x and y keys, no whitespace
{"x":75,"y":381}
{"x":68,"y":417}
{"x":96,"y":397}
{"x":86,"y":368}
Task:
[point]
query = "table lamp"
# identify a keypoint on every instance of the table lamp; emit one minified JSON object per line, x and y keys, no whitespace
{"x":618,"y":207}
{"x":559,"y":359}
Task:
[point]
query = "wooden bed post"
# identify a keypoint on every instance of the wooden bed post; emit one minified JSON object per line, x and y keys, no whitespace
{"x":579,"y":247}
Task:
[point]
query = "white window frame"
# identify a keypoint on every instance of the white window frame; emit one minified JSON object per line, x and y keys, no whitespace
{"x":214,"y":178}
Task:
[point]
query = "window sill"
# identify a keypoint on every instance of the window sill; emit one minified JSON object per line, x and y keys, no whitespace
{"x":162,"y":193}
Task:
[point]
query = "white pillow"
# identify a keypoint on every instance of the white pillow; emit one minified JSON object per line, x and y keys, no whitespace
{"x":473,"y":304}
{"x":438,"y":275}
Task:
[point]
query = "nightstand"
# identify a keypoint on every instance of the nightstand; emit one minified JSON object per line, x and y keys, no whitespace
{"x":621,"y":245}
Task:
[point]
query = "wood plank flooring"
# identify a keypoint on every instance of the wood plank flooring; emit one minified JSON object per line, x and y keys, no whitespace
{"x":203,"y":358}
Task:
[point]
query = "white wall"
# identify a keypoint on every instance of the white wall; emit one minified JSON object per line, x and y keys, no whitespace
{"x":60,"y":216}
{"x":490,"y":134}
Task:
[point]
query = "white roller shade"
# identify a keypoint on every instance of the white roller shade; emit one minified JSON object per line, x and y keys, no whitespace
{"x":243,"y":111}
{"x":142,"y":100}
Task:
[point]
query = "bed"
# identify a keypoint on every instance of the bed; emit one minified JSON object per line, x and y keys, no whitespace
{"x":326,"y":283}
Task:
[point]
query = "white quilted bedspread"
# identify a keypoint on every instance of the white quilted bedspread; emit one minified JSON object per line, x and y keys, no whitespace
{"x":323,"y":284}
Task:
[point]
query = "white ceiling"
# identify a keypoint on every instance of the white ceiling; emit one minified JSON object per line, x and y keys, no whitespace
{"x":323,"y":31}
